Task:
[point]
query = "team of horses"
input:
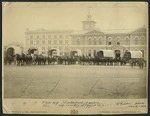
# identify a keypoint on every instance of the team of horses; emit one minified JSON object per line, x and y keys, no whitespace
{"x":34,"y":59}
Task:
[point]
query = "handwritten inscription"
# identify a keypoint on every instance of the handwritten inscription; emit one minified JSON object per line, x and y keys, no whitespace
{"x":89,"y":104}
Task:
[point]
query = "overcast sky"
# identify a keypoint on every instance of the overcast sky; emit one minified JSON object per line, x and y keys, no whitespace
{"x":58,"y":16}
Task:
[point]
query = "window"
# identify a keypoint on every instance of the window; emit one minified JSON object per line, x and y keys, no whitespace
{"x":109,"y":41}
{"x":127,"y":41}
{"x":136,"y":41}
{"x":31,"y":36}
{"x":60,"y":42}
{"x":95,"y":41}
{"x":49,"y":36}
{"x":37,"y":41}
{"x":43,"y":41}
{"x":37,"y":37}
{"x":55,"y":36}
{"x":66,"y":41}
{"x":55,"y":41}
{"x":31,"y":42}
{"x":142,"y":40}
{"x":78,"y":42}
{"x":118,"y":43}
{"x":49,"y":41}
{"x":90,"y":42}
{"x":100,"y":42}
{"x":43,"y":36}
{"x":66,"y":36}
{"x":60,"y":48}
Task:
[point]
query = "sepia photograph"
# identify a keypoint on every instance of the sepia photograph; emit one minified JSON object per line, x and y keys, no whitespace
{"x":78,"y":51}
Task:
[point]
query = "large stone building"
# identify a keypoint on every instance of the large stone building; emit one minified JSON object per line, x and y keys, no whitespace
{"x":87,"y":41}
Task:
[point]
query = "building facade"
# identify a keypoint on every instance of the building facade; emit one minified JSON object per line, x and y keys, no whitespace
{"x":87,"y":41}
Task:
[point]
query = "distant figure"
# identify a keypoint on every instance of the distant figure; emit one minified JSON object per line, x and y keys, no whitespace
{"x":132,"y":63}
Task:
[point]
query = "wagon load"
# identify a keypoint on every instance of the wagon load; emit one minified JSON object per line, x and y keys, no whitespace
{"x":133,"y":54}
{"x":17,"y":50}
{"x":54,"y":52}
{"x":136,"y":54}
{"x":106,"y":53}
{"x":76,"y":52}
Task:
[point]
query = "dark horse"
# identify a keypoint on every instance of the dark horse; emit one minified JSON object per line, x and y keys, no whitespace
{"x":20,"y":59}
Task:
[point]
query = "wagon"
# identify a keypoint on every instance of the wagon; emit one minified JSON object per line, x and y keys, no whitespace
{"x":106,"y":53}
{"x":133,"y":56}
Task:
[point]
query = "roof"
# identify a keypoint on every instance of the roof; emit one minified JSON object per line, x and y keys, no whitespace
{"x":96,"y":31}
{"x":139,"y":30}
{"x":79,"y":32}
{"x":124,"y":31}
{"x":87,"y":32}
{"x":42,"y":30}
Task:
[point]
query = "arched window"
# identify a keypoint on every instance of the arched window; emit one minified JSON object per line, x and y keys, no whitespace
{"x":90,"y":41}
{"x":118,"y":41}
{"x":142,"y":39}
{"x":109,"y":41}
{"x":95,"y":40}
{"x":100,"y":41}
{"x":136,"y":40}
{"x":78,"y":41}
{"x":127,"y":41}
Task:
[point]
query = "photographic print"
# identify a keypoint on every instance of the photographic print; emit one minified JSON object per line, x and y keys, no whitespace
{"x":75,"y":57}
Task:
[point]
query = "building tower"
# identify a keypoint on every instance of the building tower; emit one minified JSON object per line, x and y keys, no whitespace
{"x":89,"y":24}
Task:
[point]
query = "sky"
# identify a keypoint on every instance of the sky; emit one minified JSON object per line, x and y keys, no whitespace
{"x":112,"y":16}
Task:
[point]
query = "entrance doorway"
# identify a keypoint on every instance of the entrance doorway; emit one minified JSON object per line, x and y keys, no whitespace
{"x":117,"y":54}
